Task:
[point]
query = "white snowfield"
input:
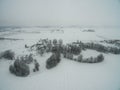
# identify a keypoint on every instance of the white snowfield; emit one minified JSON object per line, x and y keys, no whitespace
{"x":67,"y":75}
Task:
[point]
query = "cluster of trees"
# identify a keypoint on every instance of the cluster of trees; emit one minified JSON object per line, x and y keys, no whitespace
{"x":45,"y":45}
{"x":53,"y":60}
{"x":8,"y":54}
{"x":114,"y":50}
{"x":21,"y":65}
{"x":91,"y":59}
{"x":115,"y":42}
{"x":68,"y":55}
{"x":19,"y":68}
{"x":26,"y":59}
{"x":111,"y":41}
{"x":40,"y":50}
{"x":101,"y":48}
{"x":71,"y":48}
{"x":88,"y":30}
{"x":55,"y":47}
{"x":98,"y":47}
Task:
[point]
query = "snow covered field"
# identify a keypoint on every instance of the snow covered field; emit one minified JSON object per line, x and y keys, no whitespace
{"x":67,"y":75}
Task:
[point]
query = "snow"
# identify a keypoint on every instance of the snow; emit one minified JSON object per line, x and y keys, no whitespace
{"x":67,"y":75}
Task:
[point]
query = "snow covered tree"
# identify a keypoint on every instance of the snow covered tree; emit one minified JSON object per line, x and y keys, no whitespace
{"x":8,"y":54}
{"x":60,"y":42}
{"x":30,"y":59}
{"x":41,"y":51}
{"x":80,"y":58}
{"x":91,"y":60}
{"x":53,"y":60}
{"x":36,"y":66}
{"x":55,"y":41}
{"x":100,"y":58}
{"x":19,"y":68}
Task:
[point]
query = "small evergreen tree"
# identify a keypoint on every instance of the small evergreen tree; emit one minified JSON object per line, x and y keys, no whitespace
{"x":80,"y":58}
{"x":100,"y":58}
{"x":36,"y":66}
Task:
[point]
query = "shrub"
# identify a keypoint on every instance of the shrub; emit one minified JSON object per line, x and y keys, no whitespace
{"x":8,"y":55}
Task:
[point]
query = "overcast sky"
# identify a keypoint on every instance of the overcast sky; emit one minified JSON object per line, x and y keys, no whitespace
{"x":59,"y":12}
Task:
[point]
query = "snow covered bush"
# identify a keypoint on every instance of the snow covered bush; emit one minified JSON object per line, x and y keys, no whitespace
{"x":27,"y":59}
{"x":56,"y":49}
{"x":97,"y":59}
{"x":60,"y":42}
{"x":68,"y":56}
{"x":100,"y":58}
{"x":36,"y":66}
{"x":100,"y":48}
{"x":80,"y":58}
{"x":75,"y":50}
{"x":64,"y":54}
{"x":12,"y":69}
{"x":40,"y":50}
{"x":19,"y":68}
{"x":72,"y":48}
{"x":53,"y":60}
{"x":8,"y":54}
{"x":49,"y":47}
{"x":91,"y":60}
{"x":55,"y":41}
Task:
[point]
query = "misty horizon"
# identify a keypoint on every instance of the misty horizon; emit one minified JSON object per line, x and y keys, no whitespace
{"x":59,"y":13}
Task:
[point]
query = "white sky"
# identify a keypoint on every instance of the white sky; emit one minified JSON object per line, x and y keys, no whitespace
{"x":60,"y":12}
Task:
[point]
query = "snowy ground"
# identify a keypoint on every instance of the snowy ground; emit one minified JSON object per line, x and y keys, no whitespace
{"x":68,"y":75}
